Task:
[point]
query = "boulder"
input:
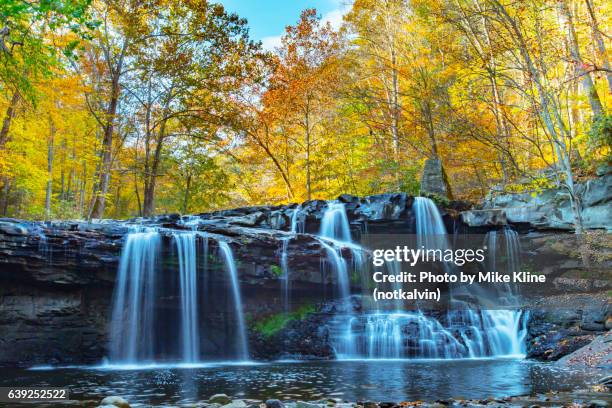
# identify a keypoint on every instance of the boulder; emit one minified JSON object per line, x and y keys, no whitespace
{"x":274,"y":403}
{"x":115,"y":401}
{"x":236,"y":404}
{"x":222,"y":399}
{"x":434,"y":180}
{"x":303,"y":404}
{"x":10,"y":226}
{"x":597,"y":353}
{"x":551,"y":209}
{"x":484,"y":218}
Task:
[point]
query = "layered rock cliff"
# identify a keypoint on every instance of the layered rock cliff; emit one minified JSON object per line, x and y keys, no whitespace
{"x":57,"y":278}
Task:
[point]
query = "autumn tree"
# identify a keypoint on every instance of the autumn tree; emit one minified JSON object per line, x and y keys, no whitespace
{"x":197,"y":55}
{"x":304,"y":82}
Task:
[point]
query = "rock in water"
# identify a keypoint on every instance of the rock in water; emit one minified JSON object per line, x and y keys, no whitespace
{"x":303,"y":404}
{"x":274,"y":403}
{"x":222,"y":399}
{"x":115,"y":401}
{"x":236,"y":404}
{"x":597,"y":404}
{"x":434,"y":180}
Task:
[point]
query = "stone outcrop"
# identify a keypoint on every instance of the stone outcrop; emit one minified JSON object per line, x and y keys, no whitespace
{"x":596,"y":354}
{"x":560,"y":325}
{"x":550,"y":209}
{"x":434,"y":180}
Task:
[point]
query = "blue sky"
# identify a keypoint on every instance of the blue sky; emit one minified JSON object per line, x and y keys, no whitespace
{"x":268,"y":18}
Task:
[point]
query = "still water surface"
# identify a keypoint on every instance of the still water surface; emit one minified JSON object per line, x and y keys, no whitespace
{"x":386,"y":380}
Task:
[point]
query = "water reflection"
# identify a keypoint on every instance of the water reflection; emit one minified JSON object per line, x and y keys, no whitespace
{"x":350,"y":380}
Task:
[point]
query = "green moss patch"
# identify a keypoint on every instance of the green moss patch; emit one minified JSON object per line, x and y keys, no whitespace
{"x":271,"y":325}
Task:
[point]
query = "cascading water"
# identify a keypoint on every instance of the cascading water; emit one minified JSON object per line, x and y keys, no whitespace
{"x":334,"y":224}
{"x":230,"y":266}
{"x":464,"y":334}
{"x":336,"y":233}
{"x":430,"y":229}
{"x":298,"y":224}
{"x":509,"y":246}
{"x":132,"y":326}
{"x":135,"y":333}
{"x":460,"y":333}
{"x":186,"y":252}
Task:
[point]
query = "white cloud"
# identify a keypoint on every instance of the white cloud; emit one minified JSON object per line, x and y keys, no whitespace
{"x":334,"y":17}
{"x":271,"y":42}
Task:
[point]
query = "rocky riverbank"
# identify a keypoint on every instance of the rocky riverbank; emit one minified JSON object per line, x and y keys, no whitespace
{"x":588,"y":398}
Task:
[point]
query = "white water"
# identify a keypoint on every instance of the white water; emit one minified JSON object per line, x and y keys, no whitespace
{"x":230,"y":265}
{"x":430,"y":229}
{"x":298,"y":224}
{"x":134,"y":332}
{"x":132,"y":326}
{"x":186,"y":252}
{"x":334,"y":224}
{"x":415,"y":335}
{"x":462,"y":333}
{"x":336,"y":234}
{"x":504,"y":257}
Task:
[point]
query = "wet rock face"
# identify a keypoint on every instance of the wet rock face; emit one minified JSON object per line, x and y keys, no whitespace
{"x":551,"y":209}
{"x":478,"y":218}
{"x":563,"y":324}
{"x":57,"y":278}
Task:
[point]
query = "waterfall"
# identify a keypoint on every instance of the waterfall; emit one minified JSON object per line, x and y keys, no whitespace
{"x":205,"y":248}
{"x":186,"y":251}
{"x":230,"y":266}
{"x":430,"y":229}
{"x":334,"y":257}
{"x":298,"y":225}
{"x":134,"y":332}
{"x":336,"y":234}
{"x":463,"y":332}
{"x":334,"y":224}
{"x":132,"y":327}
{"x":509,"y":247}
{"x":506,"y":330}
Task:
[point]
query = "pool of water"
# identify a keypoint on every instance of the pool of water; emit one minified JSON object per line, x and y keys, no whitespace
{"x":378,"y":380}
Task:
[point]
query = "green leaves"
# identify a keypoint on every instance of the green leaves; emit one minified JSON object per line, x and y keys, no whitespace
{"x":31,"y":34}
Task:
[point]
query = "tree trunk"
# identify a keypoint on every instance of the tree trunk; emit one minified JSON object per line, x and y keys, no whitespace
{"x":567,"y":24}
{"x":97,"y":209}
{"x":283,"y":172}
{"x":549,"y":117}
{"x":308,"y":142}
{"x":6,"y":190}
{"x":82,"y":190}
{"x":8,"y":117}
{"x":50,"y":143}
{"x":395,"y":118}
{"x":599,"y":43}
{"x":137,"y":195}
{"x":148,"y":208}
{"x":186,"y":197}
